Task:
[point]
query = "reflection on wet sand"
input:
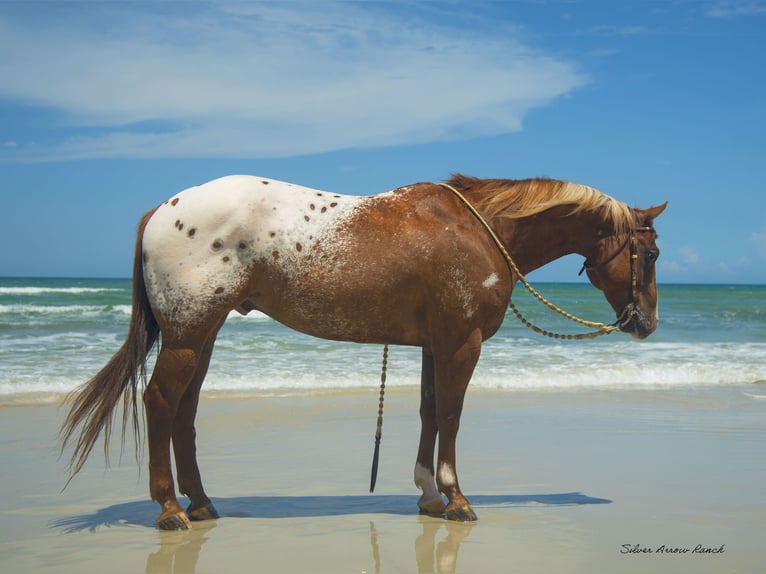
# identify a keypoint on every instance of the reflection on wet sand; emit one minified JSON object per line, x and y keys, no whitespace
{"x":441,"y":557}
{"x":430,"y":557}
{"x":436,"y":541}
{"x":436,"y":547}
{"x":178,"y":552}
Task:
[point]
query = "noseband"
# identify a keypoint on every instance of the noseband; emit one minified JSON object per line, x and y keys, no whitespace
{"x":629,"y":312}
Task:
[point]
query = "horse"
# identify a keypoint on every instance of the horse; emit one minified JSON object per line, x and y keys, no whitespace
{"x":413,"y":266}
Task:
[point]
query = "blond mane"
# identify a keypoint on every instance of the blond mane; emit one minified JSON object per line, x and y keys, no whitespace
{"x":517,"y":199}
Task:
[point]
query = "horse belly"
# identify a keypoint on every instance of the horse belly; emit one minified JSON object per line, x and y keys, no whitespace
{"x":327,"y":303}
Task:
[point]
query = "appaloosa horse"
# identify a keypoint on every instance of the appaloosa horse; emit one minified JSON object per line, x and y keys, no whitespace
{"x":413,"y":266}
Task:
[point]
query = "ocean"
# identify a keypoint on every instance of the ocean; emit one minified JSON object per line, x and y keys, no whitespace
{"x":57,"y":333}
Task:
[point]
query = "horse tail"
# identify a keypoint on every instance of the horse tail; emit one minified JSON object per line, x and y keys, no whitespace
{"x":93,"y":403}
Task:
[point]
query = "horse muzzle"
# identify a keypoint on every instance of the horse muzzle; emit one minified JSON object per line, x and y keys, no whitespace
{"x":637,"y":323}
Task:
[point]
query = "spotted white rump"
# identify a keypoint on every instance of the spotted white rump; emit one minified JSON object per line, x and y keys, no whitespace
{"x":199,"y":246}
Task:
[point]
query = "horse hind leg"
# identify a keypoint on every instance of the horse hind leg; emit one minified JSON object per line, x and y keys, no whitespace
{"x":431,"y":501}
{"x":184,"y":442}
{"x":173,"y":372}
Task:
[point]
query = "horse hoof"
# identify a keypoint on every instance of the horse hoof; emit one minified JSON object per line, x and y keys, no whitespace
{"x":207,"y":512}
{"x":177,"y":521}
{"x":461,"y":514}
{"x":434,"y":507}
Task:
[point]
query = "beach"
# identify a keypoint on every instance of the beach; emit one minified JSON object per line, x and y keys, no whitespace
{"x":607,"y":480}
{"x":613,"y":455}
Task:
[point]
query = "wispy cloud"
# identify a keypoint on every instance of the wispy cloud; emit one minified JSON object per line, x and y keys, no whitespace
{"x":734,"y":8}
{"x":690,"y":255}
{"x":670,"y":268}
{"x":689,"y":260}
{"x":261,"y":79}
{"x":614,"y":30}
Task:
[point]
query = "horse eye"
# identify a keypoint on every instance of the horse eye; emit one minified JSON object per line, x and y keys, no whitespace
{"x":652,"y":255}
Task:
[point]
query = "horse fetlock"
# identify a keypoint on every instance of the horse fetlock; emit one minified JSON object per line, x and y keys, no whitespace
{"x":161,"y":490}
{"x":431,"y":501}
{"x":424,"y":477}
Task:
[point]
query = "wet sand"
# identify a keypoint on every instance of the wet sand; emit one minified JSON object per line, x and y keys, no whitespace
{"x":581,"y":481}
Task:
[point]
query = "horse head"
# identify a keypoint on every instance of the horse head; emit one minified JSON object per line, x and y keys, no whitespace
{"x":622,"y":267}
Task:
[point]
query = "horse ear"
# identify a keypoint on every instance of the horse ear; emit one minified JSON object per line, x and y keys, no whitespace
{"x":654,"y":212}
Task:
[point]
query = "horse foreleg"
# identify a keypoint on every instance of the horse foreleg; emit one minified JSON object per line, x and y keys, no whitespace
{"x":431,"y":501}
{"x":171,"y":377}
{"x":452,"y":377}
{"x":184,"y":443}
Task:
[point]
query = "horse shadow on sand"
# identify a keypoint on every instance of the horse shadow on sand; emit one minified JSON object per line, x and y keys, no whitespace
{"x":143,"y":513}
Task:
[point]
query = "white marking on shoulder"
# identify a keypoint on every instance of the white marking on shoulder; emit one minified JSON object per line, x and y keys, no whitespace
{"x":491,"y":281}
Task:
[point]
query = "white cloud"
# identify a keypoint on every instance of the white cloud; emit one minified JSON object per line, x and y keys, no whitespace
{"x":264,"y":79}
{"x":689,"y":259}
{"x":612,"y":30}
{"x":734,"y":8}
{"x":670,"y":267}
{"x":690,"y":255}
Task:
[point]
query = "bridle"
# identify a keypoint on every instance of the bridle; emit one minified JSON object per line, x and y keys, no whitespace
{"x":629,"y":312}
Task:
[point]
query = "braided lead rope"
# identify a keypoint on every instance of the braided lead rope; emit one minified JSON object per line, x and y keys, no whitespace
{"x":379,"y":429}
{"x":578,"y":336}
{"x":601,"y":328}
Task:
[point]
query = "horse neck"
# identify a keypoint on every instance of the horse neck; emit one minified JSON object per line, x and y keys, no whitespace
{"x":537,"y":240}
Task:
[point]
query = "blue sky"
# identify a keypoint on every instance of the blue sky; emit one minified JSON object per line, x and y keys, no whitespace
{"x":108,"y":108}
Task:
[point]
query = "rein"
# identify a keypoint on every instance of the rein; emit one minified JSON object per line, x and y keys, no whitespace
{"x":600,"y":328}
